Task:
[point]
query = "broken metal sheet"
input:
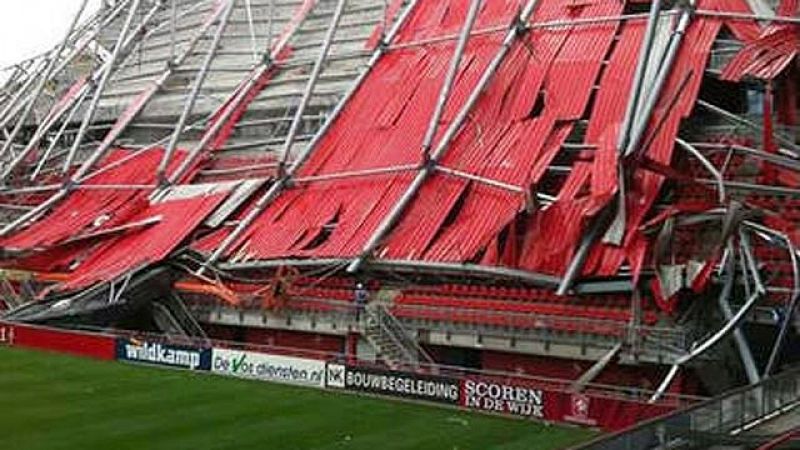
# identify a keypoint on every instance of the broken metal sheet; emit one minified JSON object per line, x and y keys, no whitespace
{"x":381,"y":127}
{"x":766,"y":57}
{"x":87,"y":211}
{"x":513,"y":127}
{"x":137,"y":249}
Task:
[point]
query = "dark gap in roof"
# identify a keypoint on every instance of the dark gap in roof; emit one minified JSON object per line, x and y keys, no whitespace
{"x":636,"y":7}
{"x":452,"y":215}
{"x":324,"y":233}
{"x":538,"y":106}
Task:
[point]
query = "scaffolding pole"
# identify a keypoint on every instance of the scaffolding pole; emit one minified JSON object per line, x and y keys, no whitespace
{"x":312,"y":82}
{"x":198,"y":85}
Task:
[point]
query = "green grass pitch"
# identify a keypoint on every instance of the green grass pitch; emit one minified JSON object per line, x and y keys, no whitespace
{"x":52,"y":402}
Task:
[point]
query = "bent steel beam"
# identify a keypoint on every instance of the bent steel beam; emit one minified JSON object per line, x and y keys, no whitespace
{"x":793,"y":299}
{"x":707,"y":344}
{"x":738,"y":334}
{"x":639,"y":125}
{"x":707,"y":164}
{"x":630,"y":136}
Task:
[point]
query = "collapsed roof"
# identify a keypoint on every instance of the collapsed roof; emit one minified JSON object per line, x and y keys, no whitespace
{"x":559,"y":143}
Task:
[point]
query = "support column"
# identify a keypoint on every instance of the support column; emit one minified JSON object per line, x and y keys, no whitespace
{"x":351,"y":347}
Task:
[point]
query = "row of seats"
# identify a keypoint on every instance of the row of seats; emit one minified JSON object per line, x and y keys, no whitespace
{"x":518,"y":294}
{"x":591,"y":312}
{"x":323,"y":293}
{"x":557,"y":323}
{"x":313,"y":305}
{"x":568,"y":317}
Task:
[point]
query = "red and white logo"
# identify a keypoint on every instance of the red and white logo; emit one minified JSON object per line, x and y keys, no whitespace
{"x":580,"y":406}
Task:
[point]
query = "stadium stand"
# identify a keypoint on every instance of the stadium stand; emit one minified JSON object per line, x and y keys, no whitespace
{"x":606,"y":188}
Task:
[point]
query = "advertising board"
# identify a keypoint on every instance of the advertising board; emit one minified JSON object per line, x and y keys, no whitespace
{"x":262,"y":366}
{"x":503,"y":397}
{"x":6,"y":334}
{"x":163,"y":354}
{"x":428,"y":387}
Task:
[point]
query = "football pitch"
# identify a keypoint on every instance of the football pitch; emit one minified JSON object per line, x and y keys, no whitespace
{"x":50,"y":401}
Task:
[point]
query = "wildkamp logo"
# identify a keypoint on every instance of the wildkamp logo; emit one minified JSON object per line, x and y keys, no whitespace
{"x":167,"y":355}
{"x":498,"y":397}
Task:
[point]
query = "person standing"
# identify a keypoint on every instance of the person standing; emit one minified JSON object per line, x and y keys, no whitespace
{"x":361,"y":295}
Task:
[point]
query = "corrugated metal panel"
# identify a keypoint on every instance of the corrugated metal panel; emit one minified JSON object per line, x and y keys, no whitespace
{"x":765,"y":58}
{"x":92,"y":210}
{"x":382,"y":126}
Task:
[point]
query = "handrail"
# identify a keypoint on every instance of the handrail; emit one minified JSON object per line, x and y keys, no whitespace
{"x":511,"y":323}
{"x":732,"y":411}
{"x":400,"y":334}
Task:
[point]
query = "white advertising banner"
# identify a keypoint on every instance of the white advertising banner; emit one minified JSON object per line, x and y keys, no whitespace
{"x":262,"y":366}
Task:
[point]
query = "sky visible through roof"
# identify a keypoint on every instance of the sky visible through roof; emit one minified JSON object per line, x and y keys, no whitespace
{"x":31,"y":27}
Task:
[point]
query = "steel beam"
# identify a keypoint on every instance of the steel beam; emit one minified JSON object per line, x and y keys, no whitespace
{"x":232,"y":103}
{"x":198,"y":85}
{"x":742,"y":345}
{"x":312,"y":83}
{"x":707,"y":164}
{"x":46,"y":155}
{"x":450,"y":78}
{"x":122,"y":43}
{"x":707,"y":344}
